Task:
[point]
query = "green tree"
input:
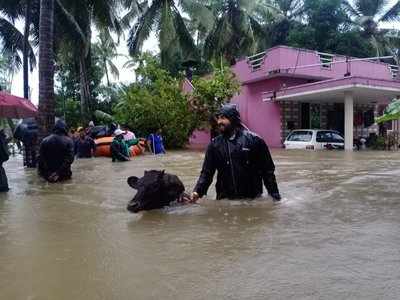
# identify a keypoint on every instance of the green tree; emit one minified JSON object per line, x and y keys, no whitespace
{"x":156,"y":101}
{"x":76,"y":18}
{"x":235,"y":30}
{"x":212,"y":91}
{"x":285,"y":15}
{"x":15,"y":41}
{"x":369,"y":14}
{"x":106,"y":52}
{"x":175,"y":41}
{"x":8,"y":68}
{"x":68,"y":84}
{"x":393,"y":44}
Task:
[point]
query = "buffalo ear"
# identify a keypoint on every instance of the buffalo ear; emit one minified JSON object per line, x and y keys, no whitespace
{"x":132,"y":182}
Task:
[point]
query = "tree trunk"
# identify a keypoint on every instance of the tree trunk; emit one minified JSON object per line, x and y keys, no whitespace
{"x":26,"y":53}
{"x":84,"y":88}
{"x":106,"y":71}
{"x":46,"y":68}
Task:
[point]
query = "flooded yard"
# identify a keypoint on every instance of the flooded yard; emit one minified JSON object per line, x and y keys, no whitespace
{"x":334,"y":235}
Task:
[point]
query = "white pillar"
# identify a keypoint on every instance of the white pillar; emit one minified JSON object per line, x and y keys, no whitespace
{"x":348,"y":121}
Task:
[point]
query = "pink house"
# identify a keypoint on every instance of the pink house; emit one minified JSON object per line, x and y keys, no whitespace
{"x":287,"y":88}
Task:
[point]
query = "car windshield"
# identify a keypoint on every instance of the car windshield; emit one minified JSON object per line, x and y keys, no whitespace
{"x":328,"y":137}
{"x":300,"y":136}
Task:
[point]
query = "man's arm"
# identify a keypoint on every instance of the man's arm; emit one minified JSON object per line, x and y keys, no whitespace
{"x":207,"y":172}
{"x":267,"y":168}
{"x":93,"y":146}
{"x":68,"y":158}
{"x":116,"y":153}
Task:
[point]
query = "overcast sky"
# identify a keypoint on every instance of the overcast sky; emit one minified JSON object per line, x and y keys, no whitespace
{"x":126,"y":75}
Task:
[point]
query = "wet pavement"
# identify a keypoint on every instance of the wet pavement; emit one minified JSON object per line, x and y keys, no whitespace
{"x":335,"y":234}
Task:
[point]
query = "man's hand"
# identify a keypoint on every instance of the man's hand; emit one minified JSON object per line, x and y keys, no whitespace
{"x":194,"y":197}
{"x":54,"y":177}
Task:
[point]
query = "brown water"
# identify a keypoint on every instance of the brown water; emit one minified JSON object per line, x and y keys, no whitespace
{"x":335,"y":235}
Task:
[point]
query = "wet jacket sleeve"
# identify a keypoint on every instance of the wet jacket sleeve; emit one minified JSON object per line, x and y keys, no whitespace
{"x":93,"y":145}
{"x":207,"y":172}
{"x":132,"y":142}
{"x":116,"y":152}
{"x":42,"y":167}
{"x":266,"y":165}
{"x":4,"y":156}
{"x":68,"y":158}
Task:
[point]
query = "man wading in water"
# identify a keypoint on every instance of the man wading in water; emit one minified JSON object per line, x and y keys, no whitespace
{"x":242,"y":160}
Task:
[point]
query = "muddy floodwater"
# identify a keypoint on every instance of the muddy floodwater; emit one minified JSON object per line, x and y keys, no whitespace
{"x":335,"y":234}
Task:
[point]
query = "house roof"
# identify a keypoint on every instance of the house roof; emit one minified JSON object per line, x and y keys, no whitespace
{"x":364,"y":90}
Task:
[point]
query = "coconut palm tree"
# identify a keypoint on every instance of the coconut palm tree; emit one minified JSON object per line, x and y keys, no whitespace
{"x":106,"y":52}
{"x":174,"y":38}
{"x":369,"y":14}
{"x":77,"y":17}
{"x":283,"y":14}
{"x":393,"y":44}
{"x":235,"y":30}
{"x":15,"y":41}
{"x":46,"y":67}
{"x":8,"y":67}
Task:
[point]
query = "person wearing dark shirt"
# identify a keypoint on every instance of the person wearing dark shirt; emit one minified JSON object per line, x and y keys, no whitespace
{"x":56,"y":154}
{"x":240,"y":158}
{"x":85,"y":147}
{"x":4,"y":156}
{"x":119,"y":148}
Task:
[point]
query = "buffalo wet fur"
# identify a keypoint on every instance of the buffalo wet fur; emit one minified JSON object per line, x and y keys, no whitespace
{"x":156,"y":189}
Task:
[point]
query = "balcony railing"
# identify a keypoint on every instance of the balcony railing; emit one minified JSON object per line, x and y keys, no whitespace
{"x":394,"y":70}
{"x":326,"y":60}
{"x":255,"y":61}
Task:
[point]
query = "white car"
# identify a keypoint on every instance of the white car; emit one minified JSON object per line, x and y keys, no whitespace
{"x":314,"y":139}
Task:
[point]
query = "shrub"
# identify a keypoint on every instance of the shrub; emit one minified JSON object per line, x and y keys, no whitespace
{"x":156,"y":101}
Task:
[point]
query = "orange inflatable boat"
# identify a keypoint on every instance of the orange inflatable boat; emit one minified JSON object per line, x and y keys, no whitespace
{"x":103,"y":147}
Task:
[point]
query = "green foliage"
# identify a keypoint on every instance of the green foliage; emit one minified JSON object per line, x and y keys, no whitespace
{"x":379,"y":143}
{"x":68,"y":109}
{"x":212,"y":91}
{"x":68,"y":87}
{"x":156,"y":101}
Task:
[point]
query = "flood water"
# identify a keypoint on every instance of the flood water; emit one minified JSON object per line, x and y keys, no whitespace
{"x":335,"y":234}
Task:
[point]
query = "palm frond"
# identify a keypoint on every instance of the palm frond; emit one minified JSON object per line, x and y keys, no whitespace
{"x":104,"y":14}
{"x":12,"y":42}
{"x":200,"y":15}
{"x":113,"y":69}
{"x":259,"y":33}
{"x":12,"y":9}
{"x":393,"y":14}
{"x":142,"y":28}
{"x":71,"y":18}
{"x":370,"y":8}
{"x":186,"y":42}
{"x":219,"y":39}
{"x":135,"y":10}
{"x":350,"y":9}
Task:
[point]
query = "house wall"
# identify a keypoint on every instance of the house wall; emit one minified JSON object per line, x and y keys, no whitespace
{"x":263,"y":118}
{"x":283,"y":57}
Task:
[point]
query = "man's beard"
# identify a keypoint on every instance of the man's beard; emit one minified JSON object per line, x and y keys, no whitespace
{"x":226,"y":130}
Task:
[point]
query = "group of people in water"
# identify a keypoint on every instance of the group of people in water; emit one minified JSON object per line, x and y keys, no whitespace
{"x":58,"y":150}
{"x":241,"y":158}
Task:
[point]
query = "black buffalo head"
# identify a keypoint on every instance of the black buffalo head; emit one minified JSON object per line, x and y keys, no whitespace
{"x":155,"y":189}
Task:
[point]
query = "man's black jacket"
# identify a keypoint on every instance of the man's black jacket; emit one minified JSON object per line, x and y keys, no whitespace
{"x":242,"y":163}
{"x":56,"y":155}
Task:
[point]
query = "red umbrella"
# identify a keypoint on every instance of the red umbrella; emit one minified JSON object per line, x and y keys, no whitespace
{"x":16,"y":107}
